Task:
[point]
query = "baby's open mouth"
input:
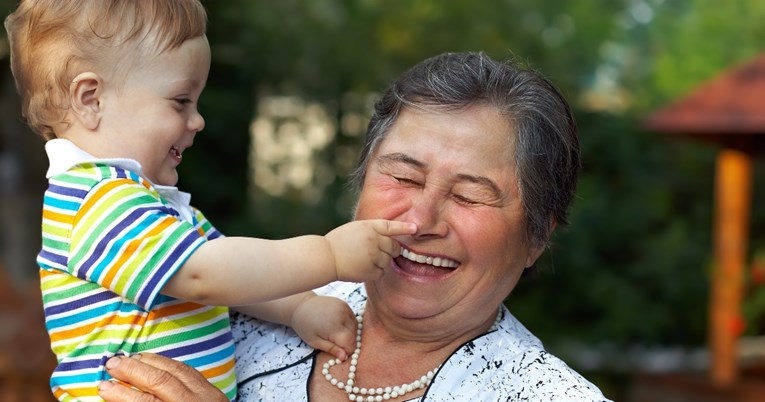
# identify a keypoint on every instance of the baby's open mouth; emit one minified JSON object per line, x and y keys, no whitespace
{"x":175,"y":151}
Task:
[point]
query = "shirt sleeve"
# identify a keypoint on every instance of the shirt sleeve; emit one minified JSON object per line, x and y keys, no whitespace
{"x":126,"y":240}
{"x":201,"y":223}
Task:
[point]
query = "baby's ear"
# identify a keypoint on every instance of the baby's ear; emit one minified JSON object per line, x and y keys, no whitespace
{"x":84,"y":93}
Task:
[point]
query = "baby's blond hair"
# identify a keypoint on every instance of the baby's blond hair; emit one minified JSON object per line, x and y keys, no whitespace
{"x":52,"y":41}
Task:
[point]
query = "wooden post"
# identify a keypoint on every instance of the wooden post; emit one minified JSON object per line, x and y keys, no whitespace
{"x":732,"y":203}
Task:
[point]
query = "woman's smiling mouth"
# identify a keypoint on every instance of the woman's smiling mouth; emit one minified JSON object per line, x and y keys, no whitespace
{"x":423,"y":259}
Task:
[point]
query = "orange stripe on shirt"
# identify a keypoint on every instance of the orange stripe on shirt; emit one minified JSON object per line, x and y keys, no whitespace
{"x":44,"y":273}
{"x":86,"y":329}
{"x":131,"y":248}
{"x":179,"y":308}
{"x":97,"y":195}
{"x":219,"y":370}
{"x":56,"y":216}
{"x":60,"y":393}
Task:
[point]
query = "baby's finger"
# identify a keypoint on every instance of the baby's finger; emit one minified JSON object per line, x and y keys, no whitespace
{"x":394,"y":228}
{"x":338,"y":352}
{"x":331,"y":348}
{"x":389,"y":247}
{"x":345,"y":340}
{"x":382,"y":261}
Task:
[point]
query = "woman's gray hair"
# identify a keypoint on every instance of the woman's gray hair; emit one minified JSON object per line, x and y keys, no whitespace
{"x":545,"y":137}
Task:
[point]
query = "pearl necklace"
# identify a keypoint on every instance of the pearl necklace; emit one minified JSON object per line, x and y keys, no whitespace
{"x":378,"y":394}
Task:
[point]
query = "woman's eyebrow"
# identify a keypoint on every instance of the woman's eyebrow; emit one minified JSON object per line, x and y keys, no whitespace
{"x":482,"y":181}
{"x":400,"y":157}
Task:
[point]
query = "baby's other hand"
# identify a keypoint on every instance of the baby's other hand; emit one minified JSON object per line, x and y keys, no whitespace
{"x":326,"y":323}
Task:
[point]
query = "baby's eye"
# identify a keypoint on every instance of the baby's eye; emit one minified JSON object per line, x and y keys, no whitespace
{"x":182,"y":101}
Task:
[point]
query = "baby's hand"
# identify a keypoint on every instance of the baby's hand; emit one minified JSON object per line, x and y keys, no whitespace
{"x":363,"y":249}
{"x":326,"y":323}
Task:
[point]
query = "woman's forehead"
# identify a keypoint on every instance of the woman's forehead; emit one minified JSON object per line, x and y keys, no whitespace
{"x":479,"y":134}
{"x":463,"y":147}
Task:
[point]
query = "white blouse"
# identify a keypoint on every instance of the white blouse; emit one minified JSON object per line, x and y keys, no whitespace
{"x":509,"y":364}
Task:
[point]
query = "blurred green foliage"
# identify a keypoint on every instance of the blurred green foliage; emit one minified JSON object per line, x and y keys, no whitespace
{"x":633,"y":262}
{"x":633,"y":266}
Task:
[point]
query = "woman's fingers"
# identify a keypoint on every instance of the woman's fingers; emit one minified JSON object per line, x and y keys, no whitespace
{"x":113,"y":391}
{"x":161,"y":379}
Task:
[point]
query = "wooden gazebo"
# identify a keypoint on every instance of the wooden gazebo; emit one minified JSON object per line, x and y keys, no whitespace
{"x":729,"y":111}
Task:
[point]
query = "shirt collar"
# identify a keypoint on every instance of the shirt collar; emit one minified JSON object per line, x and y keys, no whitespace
{"x":64,"y":155}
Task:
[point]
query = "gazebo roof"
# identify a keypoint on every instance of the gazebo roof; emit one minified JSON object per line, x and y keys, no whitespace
{"x":729,"y":109}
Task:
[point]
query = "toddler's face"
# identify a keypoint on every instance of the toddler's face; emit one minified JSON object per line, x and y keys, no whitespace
{"x":153,"y":117}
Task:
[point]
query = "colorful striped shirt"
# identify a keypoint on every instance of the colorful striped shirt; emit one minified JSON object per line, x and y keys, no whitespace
{"x":110,"y":242}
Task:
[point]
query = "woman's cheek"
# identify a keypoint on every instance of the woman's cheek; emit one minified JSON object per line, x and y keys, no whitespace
{"x":384,"y":201}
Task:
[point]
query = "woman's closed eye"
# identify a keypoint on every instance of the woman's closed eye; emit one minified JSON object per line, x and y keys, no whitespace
{"x":461,"y":199}
{"x":474,"y":195}
{"x":407,"y":181}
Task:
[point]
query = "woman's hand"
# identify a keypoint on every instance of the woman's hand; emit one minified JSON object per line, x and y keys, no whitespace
{"x":161,"y":378}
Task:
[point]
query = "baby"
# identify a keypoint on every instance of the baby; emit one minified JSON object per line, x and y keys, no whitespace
{"x":127,"y":265}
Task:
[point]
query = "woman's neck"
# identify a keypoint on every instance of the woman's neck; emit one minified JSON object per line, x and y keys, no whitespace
{"x":395,"y":350}
{"x":425,"y":334}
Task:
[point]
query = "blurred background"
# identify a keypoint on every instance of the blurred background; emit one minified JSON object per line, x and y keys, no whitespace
{"x":623,"y":294}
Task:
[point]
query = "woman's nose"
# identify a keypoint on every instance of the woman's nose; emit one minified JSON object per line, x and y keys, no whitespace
{"x":427,"y":211}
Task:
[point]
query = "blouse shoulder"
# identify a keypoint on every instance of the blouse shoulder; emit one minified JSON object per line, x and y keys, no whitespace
{"x":509,"y":364}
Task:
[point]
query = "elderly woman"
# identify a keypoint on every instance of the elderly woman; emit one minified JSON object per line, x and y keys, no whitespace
{"x":483,"y":157}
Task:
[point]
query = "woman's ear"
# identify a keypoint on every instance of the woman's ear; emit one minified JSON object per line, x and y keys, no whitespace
{"x":84,"y":93}
{"x":536,"y":250}
{"x":534,"y":253}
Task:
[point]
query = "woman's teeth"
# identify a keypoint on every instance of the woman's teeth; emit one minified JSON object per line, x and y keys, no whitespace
{"x":435,"y":261}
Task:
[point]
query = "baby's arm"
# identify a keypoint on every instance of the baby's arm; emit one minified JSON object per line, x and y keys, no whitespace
{"x":323,"y":322}
{"x":236,"y":271}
